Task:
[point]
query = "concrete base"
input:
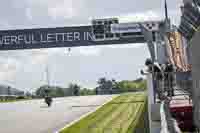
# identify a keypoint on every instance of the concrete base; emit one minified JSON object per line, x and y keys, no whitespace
{"x":156,"y":127}
{"x":155,"y":112}
{"x":155,"y":118}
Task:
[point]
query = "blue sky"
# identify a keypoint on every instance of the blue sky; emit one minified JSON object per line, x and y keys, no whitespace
{"x":83,"y":65}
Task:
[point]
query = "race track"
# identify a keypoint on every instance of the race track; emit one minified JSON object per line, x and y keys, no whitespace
{"x":35,"y":117}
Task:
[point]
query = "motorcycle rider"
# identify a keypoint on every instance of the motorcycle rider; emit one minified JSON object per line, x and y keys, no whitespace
{"x":156,"y":71}
{"x":48,"y":99}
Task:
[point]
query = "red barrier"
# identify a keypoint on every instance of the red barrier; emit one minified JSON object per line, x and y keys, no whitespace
{"x":184,"y":117}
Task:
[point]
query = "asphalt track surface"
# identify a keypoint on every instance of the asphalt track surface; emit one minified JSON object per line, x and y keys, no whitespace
{"x":35,"y":117}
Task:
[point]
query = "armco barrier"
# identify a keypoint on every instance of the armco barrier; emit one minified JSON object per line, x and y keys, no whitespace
{"x":168,"y":124}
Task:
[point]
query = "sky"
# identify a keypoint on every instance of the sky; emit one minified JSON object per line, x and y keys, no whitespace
{"x":25,"y":69}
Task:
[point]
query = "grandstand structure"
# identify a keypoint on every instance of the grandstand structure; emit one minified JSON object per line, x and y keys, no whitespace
{"x":9,"y":93}
{"x":7,"y":90}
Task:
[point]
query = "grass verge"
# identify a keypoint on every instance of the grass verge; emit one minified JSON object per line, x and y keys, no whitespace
{"x":124,"y":114}
{"x":14,"y":100}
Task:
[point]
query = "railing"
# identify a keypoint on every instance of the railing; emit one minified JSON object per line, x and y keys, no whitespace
{"x":168,"y":124}
{"x":164,"y":88}
{"x":166,"y":85}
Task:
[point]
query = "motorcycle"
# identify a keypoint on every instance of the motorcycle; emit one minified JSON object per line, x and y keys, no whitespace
{"x":48,"y":101}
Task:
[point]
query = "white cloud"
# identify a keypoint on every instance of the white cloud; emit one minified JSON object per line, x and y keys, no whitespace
{"x":90,"y":51}
{"x":141,"y":16}
{"x":8,"y":64}
{"x":39,"y":59}
{"x":63,"y":9}
{"x":4,"y":25}
{"x":85,"y":51}
{"x":6,"y":75}
{"x":29,"y":14}
{"x":8,"y":68}
{"x":39,"y":2}
{"x":56,"y":9}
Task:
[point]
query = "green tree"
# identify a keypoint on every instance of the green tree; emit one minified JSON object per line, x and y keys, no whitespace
{"x":74,"y":89}
{"x":86,"y":91}
{"x":135,"y":85}
{"x":102,"y":81}
{"x":106,"y":86}
{"x":60,"y":92}
{"x":83,"y":92}
{"x":50,"y":90}
{"x":40,"y":92}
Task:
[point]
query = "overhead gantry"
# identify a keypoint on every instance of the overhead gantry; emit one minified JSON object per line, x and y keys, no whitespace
{"x":101,"y":32}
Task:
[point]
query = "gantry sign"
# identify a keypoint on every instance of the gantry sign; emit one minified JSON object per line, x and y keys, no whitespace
{"x":101,"y":32}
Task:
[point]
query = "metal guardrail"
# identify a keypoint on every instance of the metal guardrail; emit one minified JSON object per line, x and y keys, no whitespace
{"x":163,"y":87}
{"x":168,"y":124}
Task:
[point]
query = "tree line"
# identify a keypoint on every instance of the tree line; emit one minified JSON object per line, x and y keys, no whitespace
{"x":104,"y":86}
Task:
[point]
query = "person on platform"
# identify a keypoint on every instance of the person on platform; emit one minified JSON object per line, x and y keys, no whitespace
{"x":157,"y":75}
{"x":169,"y":79}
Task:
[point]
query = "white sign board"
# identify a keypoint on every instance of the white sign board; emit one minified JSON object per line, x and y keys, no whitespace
{"x":125,"y":28}
{"x":151,"y":26}
{"x":135,"y":27}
